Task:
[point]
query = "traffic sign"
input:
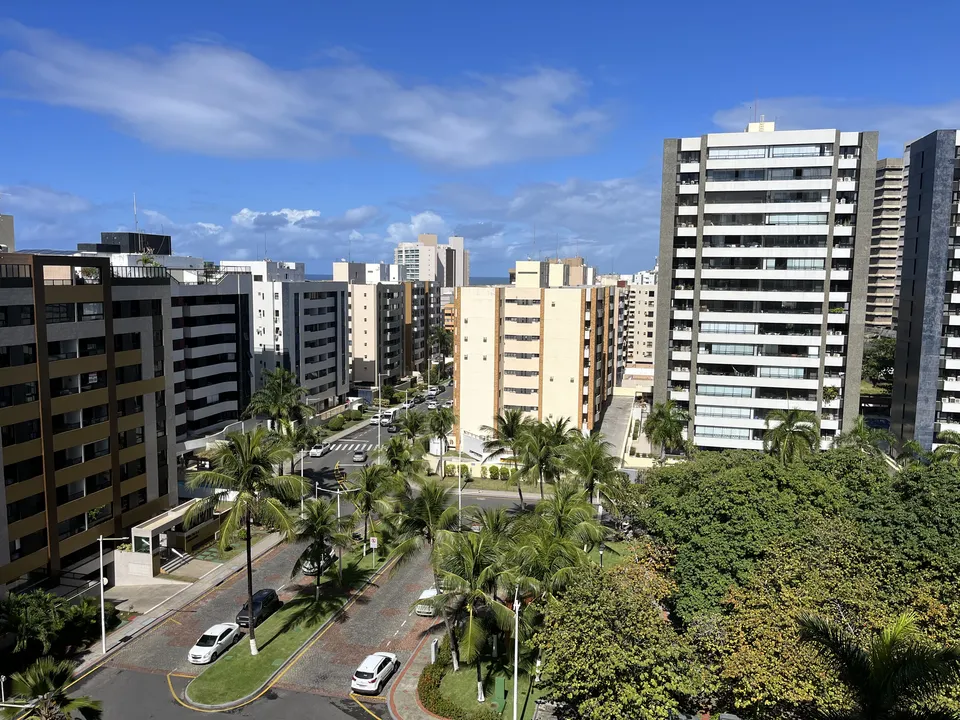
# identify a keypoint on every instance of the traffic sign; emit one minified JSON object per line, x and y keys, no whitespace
{"x":373,"y":543}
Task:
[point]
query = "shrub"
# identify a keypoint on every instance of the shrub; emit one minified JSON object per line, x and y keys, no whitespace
{"x":494,"y":472}
{"x":636,"y":429}
{"x":465,"y":472}
{"x":483,"y":471}
{"x":448,"y":470}
{"x":830,"y":393}
{"x":335,"y":423}
{"x":428,"y":690}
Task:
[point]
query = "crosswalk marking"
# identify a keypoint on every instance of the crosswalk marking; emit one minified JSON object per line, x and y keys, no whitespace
{"x":352,"y":446}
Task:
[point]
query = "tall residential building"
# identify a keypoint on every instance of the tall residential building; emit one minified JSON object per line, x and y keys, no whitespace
{"x":421,"y":314}
{"x":551,"y":352}
{"x":641,"y":323}
{"x":553,"y":272}
{"x":884,"y":245}
{"x":427,"y":261}
{"x":376,"y":333}
{"x":300,"y":325}
{"x":926,"y":392}
{"x":86,"y":409}
{"x":765,"y":242}
{"x":359,"y":272}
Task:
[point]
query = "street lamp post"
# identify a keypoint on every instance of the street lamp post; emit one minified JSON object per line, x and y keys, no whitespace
{"x":601,"y":554}
{"x":460,"y":478}
{"x":103,"y":614}
{"x":380,"y":377}
{"x":516,"y":646}
{"x":301,"y":483}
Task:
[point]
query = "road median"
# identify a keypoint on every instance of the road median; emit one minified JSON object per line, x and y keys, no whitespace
{"x":238,"y":678}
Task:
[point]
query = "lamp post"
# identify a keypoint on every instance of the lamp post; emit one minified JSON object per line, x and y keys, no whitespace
{"x":301,"y":483}
{"x":516,"y":646}
{"x":380,"y":377}
{"x":459,"y":478}
{"x":601,"y":554}
{"x":103,"y":614}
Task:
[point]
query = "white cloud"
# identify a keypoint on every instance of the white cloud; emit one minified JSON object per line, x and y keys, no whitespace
{"x":42,"y":201}
{"x":897,"y":123}
{"x":215,"y":100}
{"x":421,"y":223}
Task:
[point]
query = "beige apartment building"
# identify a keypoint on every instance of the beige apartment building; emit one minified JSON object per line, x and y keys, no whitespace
{"x":885,"y":245}
{"x":376,"y":332}
{"x":552,"y":272}
{"x":551,"y":352}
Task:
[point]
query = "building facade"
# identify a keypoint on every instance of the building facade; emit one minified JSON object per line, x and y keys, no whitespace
{"x":359,"y":272}
{"x":421,"y":314}
{"x":885,"y":244}
{"x":765,"y":246}
{"x":86,"y":411}
{"x":427,"y":261}
{"x":377,"y":333}
{"x":300,"y":325}
{"x":641,"y":323}
{"x":550,"y":352}
{"x":926,"y":391}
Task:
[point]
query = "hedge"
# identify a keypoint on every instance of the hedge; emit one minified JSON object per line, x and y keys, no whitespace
{"x":428,"y":690}
{"x":335,"y":423}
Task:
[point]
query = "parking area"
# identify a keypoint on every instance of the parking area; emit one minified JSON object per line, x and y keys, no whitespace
{"x":164,"y":648}
{"x":381,"y":620}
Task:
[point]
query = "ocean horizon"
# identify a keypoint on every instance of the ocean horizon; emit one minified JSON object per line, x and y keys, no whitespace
{"x":479,"y":280}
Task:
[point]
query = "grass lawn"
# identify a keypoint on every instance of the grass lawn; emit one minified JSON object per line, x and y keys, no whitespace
{"x":868,"y":388}
{"x":613,"y":554}
{"x":238,"y":673}
{"x":461,"y":688}
{"x":211,"y":552}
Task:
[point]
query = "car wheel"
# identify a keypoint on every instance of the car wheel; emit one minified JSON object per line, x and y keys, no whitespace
{"x":214,"y":657}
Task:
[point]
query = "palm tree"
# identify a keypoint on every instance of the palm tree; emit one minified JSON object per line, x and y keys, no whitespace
{"x":541,"y":452}
{"x":894,"y":676}
{"x":791,"y":434}
{"x":470,"y":567}
{"x":32,"y":618}
{"x":545,"y":562}
{"x":589,"y":459}
{"x":401,"y":457}
{"x":245,"y":465}
{"x":412,"y":424}
{"x":370,"y":490}
{"x":322,"y":530}
{"x":495,"y":520}
{"x":911,"y":452}
{"x":440,"y":423}
{"x":298,"y":436}
{"x":280,"y":398}
{"x":569,"y":515}
{"x":664,"y":426}
{"x":948,"y":447}
{"x":508,"y":433}
{"x":422,"y":517}
{"x":44,"y":685}
{"x":865,"y":438}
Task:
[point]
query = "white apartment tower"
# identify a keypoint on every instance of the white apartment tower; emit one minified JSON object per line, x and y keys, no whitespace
{"x":764,"y":248}
{"x":427,"y":261}
{"x":885,"y":244}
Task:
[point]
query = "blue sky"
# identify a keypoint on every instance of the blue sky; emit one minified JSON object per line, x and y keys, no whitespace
{"x":319,"y":129}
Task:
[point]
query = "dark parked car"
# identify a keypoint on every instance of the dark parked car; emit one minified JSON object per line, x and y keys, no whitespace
{"x":393,"y":429}
{"x":265,"y":603}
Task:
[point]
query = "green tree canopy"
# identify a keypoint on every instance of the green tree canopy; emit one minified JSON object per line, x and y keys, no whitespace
{"x":878,"y":356}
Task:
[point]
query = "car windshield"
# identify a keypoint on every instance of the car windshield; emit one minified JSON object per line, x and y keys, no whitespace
{"x":364,"y":675}
{"x":207,"y":641}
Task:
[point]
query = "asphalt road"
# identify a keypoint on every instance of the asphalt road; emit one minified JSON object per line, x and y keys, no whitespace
{"x":164,"y":648}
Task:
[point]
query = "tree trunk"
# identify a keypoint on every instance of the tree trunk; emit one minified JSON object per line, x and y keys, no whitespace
{"x":451,"y":638}
{"x":480,"y":695}
{"x":250,"y":619}
{"x":541,"y":483}
{"x":317,"y":596}
{"x":519,"y":488}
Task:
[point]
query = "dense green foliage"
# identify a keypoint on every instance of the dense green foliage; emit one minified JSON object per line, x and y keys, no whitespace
{"x":878,"y":356}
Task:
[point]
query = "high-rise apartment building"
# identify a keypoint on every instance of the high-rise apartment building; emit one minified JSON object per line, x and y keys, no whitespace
{"x":550,"y":352}
{"x":377,"y":333}
{"x":926,"y":389}
{"x":86,"y":409}
{"x":360,"y":272}
{"x":7,"y":236}
{"x":427,"y":261}
{"x":421,"y":314}
{"x":884,"y":245}
{"x":764,"y":247}
{"x":300,"y":325}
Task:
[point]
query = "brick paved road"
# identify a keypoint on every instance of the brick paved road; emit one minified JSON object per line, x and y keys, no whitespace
{"x":381,"y":620}
{"x":164,"y":649}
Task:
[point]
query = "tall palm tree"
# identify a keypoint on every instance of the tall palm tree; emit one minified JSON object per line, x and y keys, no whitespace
{"x":589,"y":460}
{"x":32,"y":618}
{"x":412,"y":425}
{"x":791,"y":434}
{"x":541,"y":452}
{"x":323,"y":531}
{"x":244,"y":466}
{"x":664,"y":426}
{"x":371,"y":490}
{"x":470,"y":566}
{"x":401,"y":457}
{"x":569,"y":515}
{"x":421,"y":518}
{"x":440,"y":423}
{"x":298,"y":436}
{"x":948,"y":447}
{"x":44,"y":685}
{"x":280,"y":398}
{"x":508,"y":434}
{"x":895,"y":675}
{"x":546,"y":562}
{"x":868,"y":440}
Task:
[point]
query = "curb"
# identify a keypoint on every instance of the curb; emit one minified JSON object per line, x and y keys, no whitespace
{"x":250,"y":697}
{"x":393,"y":688}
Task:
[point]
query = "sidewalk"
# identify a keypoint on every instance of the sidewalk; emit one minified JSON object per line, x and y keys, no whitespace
{"x":125,"y":633}
{"x":402,"y":699}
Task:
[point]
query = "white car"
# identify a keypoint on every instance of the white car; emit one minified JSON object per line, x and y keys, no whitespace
{"x":374,"y":672}
{"x":432,"y":405}
{"x":432,"y":391}
{"x":214,"y":643}
{"x":448,"y":404}
{"x":424,"y":607}
{"x":375,"y":420}
{"x":319,"y":450}
{"x":406,"y":405}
